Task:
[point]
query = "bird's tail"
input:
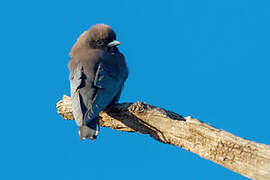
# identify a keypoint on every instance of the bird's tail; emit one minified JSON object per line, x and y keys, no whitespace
{"x":90,"y":130}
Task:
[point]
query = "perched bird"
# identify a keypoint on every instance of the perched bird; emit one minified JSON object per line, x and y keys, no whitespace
{"x":97,"y":74}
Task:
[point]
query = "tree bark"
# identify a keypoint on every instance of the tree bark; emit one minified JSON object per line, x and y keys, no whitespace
{"x":245,"y":157}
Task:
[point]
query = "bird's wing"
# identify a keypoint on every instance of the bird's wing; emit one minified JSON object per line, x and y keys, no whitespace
{"x":76,"y":80}
{"x":105,"y":78}
{"x":108,"y":88}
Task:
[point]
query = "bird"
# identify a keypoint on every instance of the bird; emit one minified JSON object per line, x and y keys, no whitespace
{"x":97,"y":73}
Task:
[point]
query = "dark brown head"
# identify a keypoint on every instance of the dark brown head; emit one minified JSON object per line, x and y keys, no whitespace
{"x":99,"y":36}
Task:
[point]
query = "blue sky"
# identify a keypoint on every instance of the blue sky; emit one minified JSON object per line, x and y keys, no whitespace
{"x":208,"y":59}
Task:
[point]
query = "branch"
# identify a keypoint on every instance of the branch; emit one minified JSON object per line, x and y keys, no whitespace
{"x":240,"y":155}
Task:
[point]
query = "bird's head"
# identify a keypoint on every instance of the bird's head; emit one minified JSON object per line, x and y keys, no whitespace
{"x":99,"y":36}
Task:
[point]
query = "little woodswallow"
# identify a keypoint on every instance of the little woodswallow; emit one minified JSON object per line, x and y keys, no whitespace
{"x":97,"y":74}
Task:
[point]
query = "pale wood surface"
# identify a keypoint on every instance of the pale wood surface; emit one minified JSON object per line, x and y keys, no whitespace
{"x":245,"y":157}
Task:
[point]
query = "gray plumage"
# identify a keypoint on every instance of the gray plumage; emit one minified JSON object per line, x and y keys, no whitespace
{"x":97,"y":75}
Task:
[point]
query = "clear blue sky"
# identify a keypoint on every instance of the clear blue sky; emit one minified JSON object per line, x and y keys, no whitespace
{"x":208,"y":59}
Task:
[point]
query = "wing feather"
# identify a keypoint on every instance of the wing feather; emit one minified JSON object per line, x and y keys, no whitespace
{"x":76,"y":80}
{"x":109,"y":86}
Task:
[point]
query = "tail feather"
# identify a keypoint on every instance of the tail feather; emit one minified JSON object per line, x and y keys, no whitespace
{"x":90,"y":130}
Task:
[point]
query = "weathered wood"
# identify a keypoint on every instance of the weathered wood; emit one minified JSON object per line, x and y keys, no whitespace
{"x":237,"y":154}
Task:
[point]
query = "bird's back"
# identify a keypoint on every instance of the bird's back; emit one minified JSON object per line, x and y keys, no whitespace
{"x":102,"y":75}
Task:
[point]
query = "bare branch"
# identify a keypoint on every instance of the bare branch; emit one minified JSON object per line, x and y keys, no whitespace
{"x":237,"y":154}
